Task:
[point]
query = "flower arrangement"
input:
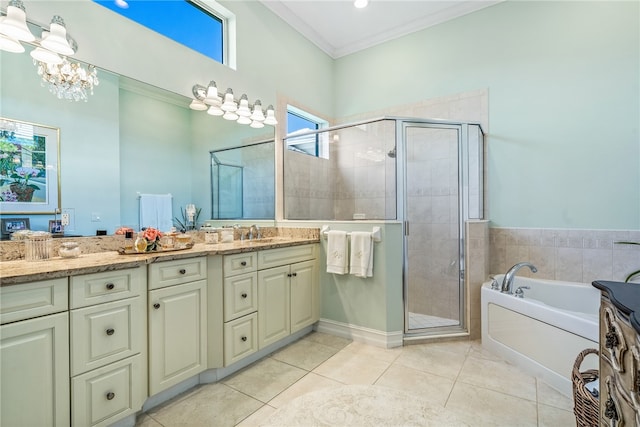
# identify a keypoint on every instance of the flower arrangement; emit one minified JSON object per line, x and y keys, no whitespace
{"x":20,"y":187}
{"x":152,"y":237}
{"x":22,"y":175}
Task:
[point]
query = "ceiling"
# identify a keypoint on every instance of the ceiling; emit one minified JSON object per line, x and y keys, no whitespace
{"x":339,"y":28}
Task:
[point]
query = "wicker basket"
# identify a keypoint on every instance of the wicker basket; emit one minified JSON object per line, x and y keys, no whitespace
{"x":586,"y":406}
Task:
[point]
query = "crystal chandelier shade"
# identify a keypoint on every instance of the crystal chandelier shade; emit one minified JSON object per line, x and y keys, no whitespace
{"x":65,"y":79}
{"x":68,"y":80}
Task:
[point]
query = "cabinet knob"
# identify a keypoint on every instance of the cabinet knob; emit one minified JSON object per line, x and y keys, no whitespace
{"x":294,"y":274}
{"x":110,"y":331}
{"x":182,"y":271}
{"x":111,"y":395}
{"x":110,"y":286}
{"x":243,"y":295}
{"x":156,"y":306}
{"x":243,"y":338}
{"x":288,"y":274}
{"x":243,"y":263}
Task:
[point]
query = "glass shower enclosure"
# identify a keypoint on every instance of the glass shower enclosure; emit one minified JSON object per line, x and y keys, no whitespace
{"x":426,"y":173}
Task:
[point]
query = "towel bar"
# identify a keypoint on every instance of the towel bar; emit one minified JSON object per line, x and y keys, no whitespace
{"x":377,"y":235}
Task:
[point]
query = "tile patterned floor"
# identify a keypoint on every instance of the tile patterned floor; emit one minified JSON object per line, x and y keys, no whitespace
{"x":460,"y":377}
{"x":420,"y":321}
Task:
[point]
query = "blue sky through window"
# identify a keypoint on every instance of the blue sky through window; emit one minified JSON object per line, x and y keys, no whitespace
{"x":180,"y":20}
{"x":296,"y":123}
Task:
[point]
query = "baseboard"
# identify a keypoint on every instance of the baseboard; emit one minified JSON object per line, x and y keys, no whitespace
{"x":360,"y":334}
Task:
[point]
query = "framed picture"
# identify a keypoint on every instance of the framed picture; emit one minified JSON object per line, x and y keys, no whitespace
{"x":9,"y":225}
{"x":55,"y":226}
{"x":29,"y":168}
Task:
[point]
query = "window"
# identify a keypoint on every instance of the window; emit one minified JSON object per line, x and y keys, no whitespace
{"x":197,"y":24}
{"x":301,"y":122}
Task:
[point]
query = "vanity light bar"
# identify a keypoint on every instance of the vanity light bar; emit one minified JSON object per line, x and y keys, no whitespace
{"x":207,"y":98}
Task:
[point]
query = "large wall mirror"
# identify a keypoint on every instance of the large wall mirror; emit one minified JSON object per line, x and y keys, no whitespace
{"x":128,"y":138}
{"x":243,"y":182}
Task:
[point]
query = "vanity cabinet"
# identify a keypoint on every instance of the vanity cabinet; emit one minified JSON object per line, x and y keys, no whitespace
{"x":287,"y":292}
{"x":108,"y":346}
{"x":240,"y":306}
{"x":34,"y":354}
{"x":619,"y":354}
{"x":177,"y":315}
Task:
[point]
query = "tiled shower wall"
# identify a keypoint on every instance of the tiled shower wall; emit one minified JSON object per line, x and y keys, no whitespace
{"x":359,"y":176}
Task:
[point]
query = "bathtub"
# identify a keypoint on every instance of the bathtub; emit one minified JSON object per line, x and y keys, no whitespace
{"x":543,"y":332}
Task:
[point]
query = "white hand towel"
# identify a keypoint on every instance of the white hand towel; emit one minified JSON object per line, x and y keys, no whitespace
{"x":361,"y":254}
{"x":156,"y":211}
{"x":337,"y":249}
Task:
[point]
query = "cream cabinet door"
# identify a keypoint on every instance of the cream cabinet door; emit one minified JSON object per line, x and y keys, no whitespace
{"x":273,"y":305}
{"x":34,"y":366}
{"x":304,"y":295}
{"x":108,"y":394}
{"x":177,"y":334}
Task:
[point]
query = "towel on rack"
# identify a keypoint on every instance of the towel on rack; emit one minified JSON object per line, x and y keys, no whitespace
{"x":361,"y":254}
{"x":337,"y":249}
{"x":156,"y":211}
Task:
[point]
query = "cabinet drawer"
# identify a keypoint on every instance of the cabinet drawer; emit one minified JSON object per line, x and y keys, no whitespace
{"x":240,"y":295}
{"x":176,"y":272}
{"x":281,"y":256}
{"x":240,"y":338}
{"x":97,"y":288}
{"x":19,"y":302}
{"x":106,"y":395}
{"x":239,"y":263}
{"x":106,"y":333}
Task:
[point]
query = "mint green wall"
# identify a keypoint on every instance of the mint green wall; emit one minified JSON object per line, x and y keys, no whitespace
{"x":89,"y":150}
{"x":563,"y":81}
{"x":155,"y":152}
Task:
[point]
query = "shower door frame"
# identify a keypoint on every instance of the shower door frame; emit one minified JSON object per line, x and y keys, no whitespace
{"x":402,"y":124}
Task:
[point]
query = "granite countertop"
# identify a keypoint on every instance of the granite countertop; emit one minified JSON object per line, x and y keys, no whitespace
{"x":21,"y":271}
{"x":626,"y":298}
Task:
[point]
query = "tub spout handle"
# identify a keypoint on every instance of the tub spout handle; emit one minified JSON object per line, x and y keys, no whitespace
{"x":494,"y":284}
{"x":520,"y":291}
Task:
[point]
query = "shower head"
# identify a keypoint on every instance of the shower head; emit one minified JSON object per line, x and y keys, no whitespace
{"x":392,"y":153}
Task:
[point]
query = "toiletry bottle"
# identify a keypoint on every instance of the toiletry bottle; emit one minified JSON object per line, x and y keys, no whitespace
{"x":128,"y":240}
{"x":141,"y":243}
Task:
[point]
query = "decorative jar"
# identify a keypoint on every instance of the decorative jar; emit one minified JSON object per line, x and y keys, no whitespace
{"x":69,"y":250}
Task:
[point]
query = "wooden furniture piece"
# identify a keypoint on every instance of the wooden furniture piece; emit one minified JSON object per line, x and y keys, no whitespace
{"x":619,"y":354}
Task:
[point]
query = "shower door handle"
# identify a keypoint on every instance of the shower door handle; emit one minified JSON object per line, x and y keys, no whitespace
{"x":406,"y":228}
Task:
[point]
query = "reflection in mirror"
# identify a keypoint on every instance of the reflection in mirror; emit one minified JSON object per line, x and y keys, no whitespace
{"x":243,"y":182}
{"x":129,"y":138}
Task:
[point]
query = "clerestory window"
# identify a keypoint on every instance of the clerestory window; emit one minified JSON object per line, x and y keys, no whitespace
{"x":201,"y":25}
{"x":300,"y":122}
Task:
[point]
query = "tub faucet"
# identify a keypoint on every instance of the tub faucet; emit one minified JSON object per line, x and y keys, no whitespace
{"x":507,"y":282}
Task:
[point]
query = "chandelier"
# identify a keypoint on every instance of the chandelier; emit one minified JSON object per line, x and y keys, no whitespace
{"x":68,"y":80}
{"x":207,"y":98}
{"x":65,"y":79}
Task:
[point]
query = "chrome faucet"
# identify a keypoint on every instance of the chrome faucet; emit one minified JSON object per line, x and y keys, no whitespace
{"x":254,"y":232}
{"x":507,"y":282}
